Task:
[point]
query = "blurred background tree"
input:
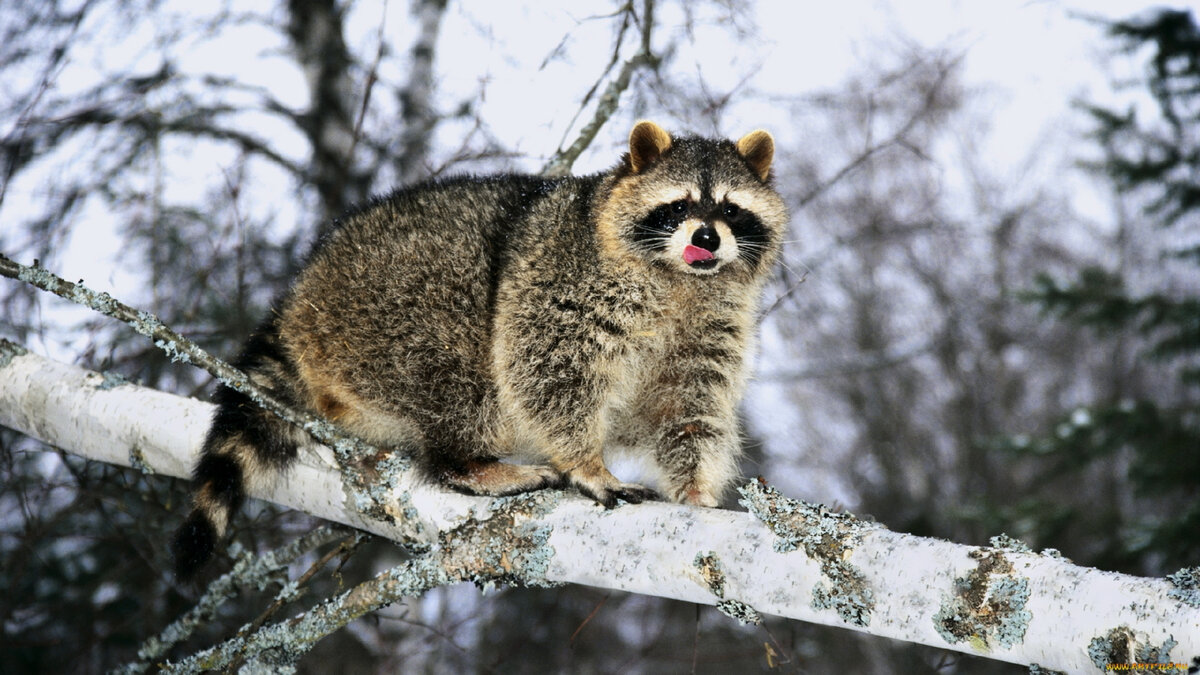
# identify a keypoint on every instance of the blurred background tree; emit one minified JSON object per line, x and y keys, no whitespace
{"x":1128,"y":459}
{"x":918,"y":341}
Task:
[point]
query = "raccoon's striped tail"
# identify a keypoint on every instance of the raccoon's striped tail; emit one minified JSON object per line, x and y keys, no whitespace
{"x":243,"y":444}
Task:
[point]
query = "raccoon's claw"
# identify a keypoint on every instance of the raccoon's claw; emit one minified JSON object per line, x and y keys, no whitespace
{"x":636,"y":494}
{"x":630,"y":493}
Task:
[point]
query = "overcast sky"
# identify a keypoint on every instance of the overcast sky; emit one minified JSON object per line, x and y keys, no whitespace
{"x":1025,"y":59}
{"x":1032,"y":57}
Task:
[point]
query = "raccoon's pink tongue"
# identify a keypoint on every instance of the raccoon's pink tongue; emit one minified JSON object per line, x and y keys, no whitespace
{"x":693,"y":254}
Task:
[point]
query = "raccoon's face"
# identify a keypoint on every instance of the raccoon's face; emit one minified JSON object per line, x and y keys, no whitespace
{"x":698,"y":206}
{"x":700,"y":233}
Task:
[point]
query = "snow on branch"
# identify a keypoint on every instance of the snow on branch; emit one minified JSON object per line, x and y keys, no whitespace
{"x":784,"y":557}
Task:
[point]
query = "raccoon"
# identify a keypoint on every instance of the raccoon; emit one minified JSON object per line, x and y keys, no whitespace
{"x":467,"y":320}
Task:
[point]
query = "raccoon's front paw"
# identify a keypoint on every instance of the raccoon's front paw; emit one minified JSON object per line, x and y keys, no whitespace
{"x":608,"y":492}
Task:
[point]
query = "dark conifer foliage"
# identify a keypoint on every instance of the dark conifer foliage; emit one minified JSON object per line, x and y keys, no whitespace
{"x":1146,"y":424}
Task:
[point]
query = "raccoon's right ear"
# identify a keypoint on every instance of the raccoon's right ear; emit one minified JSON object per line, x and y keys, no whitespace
{"x":647,"y":142}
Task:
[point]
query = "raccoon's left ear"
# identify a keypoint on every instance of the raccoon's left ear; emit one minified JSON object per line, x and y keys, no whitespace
{"x":647,"y":142}
{"x":758,"y":149}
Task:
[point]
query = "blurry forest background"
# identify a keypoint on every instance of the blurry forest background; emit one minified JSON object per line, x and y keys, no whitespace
{"x":955,"y":350}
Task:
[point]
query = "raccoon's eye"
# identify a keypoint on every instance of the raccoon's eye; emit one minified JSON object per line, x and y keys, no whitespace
{"x":679,"y":207}
{"x":731,"y":210}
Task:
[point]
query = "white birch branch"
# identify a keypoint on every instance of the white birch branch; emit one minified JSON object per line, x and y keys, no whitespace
{"x":785,"y":558}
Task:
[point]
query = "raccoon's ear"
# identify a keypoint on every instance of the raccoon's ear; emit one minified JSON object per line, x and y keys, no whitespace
{"x":758,"y":149}
{"x":647,"y":142}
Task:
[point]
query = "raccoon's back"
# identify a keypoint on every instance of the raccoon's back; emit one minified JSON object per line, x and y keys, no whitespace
{"x":401,"y":292}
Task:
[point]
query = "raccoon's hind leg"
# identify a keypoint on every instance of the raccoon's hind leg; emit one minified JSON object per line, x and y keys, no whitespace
{"x":490,"y":476}
{"x":465,"y":458}
{"x":458,"y":434}
{"x":244,"y":444}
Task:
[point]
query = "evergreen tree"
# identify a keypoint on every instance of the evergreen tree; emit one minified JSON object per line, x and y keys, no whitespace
{"x":1136,"y":447}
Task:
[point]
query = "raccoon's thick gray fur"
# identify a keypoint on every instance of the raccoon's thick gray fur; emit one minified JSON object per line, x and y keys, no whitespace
{"x":471,"y":319}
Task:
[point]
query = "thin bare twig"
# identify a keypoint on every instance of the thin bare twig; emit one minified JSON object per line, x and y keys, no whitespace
{"x":626,"y":13}
{"x":860,"y":363}
{"x":247,"y":571}
{"x":595,"y":611}
{"x":560,"y":164}
{"x":490,"y":546}
{"x":294,"y":589}
{"x":372,"y":78}
{"x":898,"y":138}
{"x":782,"y":296}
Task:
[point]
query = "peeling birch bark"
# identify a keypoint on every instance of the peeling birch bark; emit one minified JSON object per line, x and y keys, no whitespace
{"x":784,"y":557}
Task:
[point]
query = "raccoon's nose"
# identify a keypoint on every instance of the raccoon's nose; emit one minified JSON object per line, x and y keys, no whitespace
{"x":706,"y":237}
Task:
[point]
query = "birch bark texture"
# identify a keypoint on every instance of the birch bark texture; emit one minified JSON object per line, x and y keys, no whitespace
{"x":783,"y":557}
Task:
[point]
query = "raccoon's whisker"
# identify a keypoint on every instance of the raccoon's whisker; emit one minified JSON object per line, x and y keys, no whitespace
{"x":756,"y":245}
{"x":793,"y":272}
{"x":748,"y":248}
{"x":649,"y":241}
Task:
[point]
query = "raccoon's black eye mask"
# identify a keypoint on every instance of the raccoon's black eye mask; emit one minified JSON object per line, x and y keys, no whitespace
{"x":665,"y":219}
{"x":652,"y":232}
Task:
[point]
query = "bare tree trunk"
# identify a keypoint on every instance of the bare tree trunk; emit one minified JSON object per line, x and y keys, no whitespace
{"x":315,"y":28}
{"x":416,"y":99}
